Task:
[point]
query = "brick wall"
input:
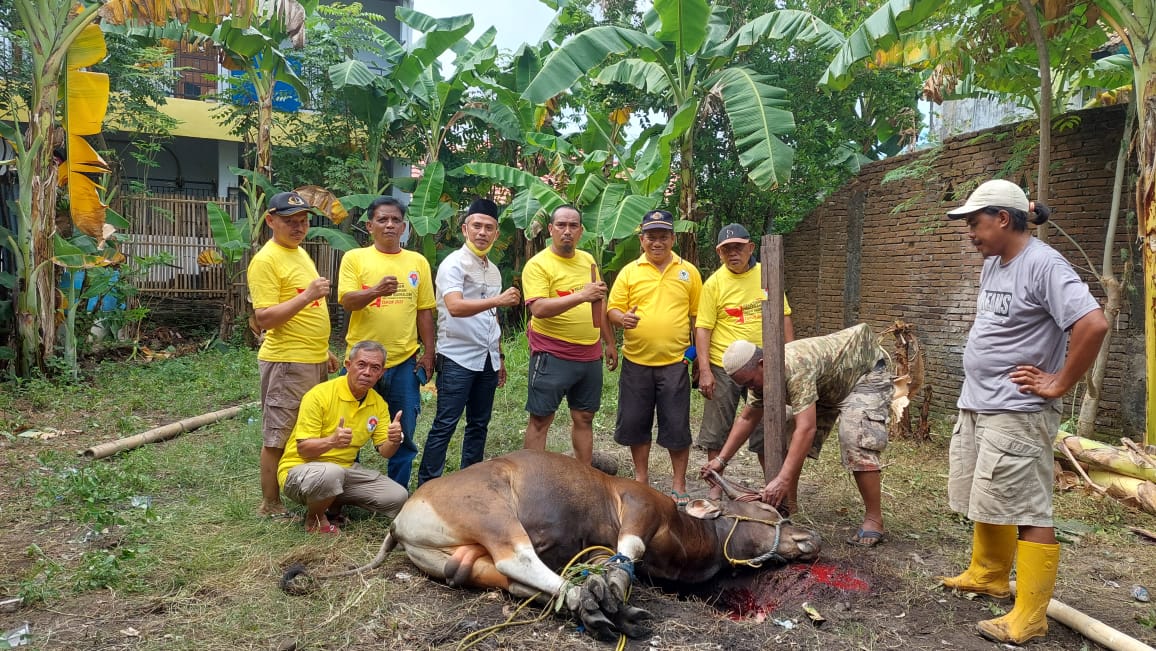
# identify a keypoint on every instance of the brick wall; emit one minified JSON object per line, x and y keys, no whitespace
{"x":914,"y":265}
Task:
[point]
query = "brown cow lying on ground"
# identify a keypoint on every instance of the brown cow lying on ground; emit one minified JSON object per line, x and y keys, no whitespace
{"x":512,"y":522}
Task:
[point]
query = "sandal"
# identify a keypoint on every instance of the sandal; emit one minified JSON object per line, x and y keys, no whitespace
{"x":331,"y":529}
{"x":865,"y":538}
{"x":680,"y":499}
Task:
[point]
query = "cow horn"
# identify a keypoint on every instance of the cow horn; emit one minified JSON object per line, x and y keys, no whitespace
{"x":733,"y":490}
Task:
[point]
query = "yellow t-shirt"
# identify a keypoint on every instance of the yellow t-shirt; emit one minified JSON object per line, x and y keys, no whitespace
{"x":277,"y":274}
{"x":548,"y":275}
{"x":389,"y":320}
{"x":322,"y":408}
{"x":732,"y":306}
{"x":666,"y":300}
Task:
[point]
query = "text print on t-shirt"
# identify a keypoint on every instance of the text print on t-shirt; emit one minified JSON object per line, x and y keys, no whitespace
{"x":996,"y":303}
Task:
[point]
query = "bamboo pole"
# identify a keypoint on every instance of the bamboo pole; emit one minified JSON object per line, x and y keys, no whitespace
{"x":1103,"y":456}
{"x":1092,"y":628}
{"x":162,"y":433}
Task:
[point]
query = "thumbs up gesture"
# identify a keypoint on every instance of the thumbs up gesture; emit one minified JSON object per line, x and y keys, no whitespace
{"x":630,"y":319}
{"x":394,"y":431}
{"x":342,"y":435}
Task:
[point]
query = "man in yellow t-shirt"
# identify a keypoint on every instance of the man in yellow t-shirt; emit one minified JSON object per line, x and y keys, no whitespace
{"x":337,"y":418}
{"x":565,"y":294}
{"x":289,"y":303}
{"x":655,"y":300}
{"x":389,"y":294}
{"x":731,"y":309}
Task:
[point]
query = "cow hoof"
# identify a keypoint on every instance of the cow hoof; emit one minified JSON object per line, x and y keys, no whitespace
{"x":629,"y":621}
{"x":603,"y":613}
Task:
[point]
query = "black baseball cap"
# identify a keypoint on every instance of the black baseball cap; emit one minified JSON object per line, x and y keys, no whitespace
{"x":658,"y":220}
{"x":733,"y":234}
{"x":284,"y":204}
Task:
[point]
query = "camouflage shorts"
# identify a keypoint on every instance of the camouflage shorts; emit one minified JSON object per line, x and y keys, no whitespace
{"x":863,"y":417}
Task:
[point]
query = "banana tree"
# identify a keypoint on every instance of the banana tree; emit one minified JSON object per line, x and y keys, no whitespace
{"x":410,"y":89}
{"x":51,"y":29}
{"x":591,"y":171}
{"x":685,"y":54}
{"x":1132,"y":21}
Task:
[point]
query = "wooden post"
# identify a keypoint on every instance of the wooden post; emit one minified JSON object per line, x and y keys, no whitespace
{"x":774,"y":386}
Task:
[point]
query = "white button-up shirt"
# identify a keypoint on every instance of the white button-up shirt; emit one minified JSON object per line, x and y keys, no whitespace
{"x":467,"y":340}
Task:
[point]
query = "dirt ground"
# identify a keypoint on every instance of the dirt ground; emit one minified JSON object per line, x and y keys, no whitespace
{"x":882,"y":598}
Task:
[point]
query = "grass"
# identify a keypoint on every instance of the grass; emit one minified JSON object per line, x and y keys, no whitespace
{"x":190,"y":567}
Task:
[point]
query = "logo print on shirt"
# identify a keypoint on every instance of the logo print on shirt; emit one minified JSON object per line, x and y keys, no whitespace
{"x":376,"y":302}
{"x":371,"y":424}
{"x":684,"y":275}
{"x":563,"y":292}
{"x":316,"y":303}
{"x":413,"y":279}
{"x":737,"y":313}
{"x":998,"y":303}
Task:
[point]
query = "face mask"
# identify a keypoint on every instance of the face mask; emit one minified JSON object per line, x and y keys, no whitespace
{"x":481,"y":253}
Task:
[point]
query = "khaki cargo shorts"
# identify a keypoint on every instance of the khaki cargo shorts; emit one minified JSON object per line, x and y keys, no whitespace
{"x":862,"y":417}
{"x":1001,"y":466}
{"x":283,"y":384}
{"x":315,"y":481}
{"x":718,"y":415}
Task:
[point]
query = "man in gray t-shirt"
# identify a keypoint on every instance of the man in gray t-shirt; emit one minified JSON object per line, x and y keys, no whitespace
{"x":1018,"y":364}
{"x":1025,"y":307}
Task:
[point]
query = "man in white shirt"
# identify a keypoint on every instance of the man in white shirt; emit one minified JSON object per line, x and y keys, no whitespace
{"x":470,"y":362}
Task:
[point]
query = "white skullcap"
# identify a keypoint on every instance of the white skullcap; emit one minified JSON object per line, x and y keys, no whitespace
{"x":738,"y":355}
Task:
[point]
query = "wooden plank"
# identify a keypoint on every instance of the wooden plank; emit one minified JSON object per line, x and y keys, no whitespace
{"x":775,"y":439}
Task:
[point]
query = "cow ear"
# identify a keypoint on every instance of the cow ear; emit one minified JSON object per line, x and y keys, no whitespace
{"x":703,"y":509}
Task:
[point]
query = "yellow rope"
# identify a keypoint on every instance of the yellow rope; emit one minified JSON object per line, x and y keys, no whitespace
{"x":568,"y":572}
{"x":738,"y":518}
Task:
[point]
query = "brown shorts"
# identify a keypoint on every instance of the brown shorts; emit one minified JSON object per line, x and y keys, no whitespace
{"x":1001,"y":466}
{"x":283,"y":384}
{"x":356,"y":486}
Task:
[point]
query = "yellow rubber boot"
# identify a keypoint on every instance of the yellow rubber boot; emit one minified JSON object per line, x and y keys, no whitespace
{"x":992,"y":548}
{"x":1036,"y":580}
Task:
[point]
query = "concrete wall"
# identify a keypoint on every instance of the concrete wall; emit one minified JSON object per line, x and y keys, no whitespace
{"x":878,"y":252}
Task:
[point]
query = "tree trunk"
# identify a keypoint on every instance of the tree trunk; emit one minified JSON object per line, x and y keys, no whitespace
{"x":36,"y":302}
{"x":1113,"y":288}
{"x":688,"y":198}
{"x":1044,"y":61}
{"x":264,"y":125}
{"x":1144,"y":76}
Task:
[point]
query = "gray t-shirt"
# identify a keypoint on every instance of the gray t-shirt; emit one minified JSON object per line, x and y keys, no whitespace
{"x":1024,"y":311}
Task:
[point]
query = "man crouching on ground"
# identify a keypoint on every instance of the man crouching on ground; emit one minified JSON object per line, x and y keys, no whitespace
{"x":337,"y":417}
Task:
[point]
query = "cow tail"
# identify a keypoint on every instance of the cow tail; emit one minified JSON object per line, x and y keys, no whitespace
{"x":297,"y":580}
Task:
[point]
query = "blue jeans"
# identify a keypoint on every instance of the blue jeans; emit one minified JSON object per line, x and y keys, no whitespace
{"x":459,"y":389}
{"x":400,"y":389}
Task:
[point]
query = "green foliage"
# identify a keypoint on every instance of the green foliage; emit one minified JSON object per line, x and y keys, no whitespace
{"x":96,"y":493}
{"x":834,"y":132}
{"x":140,"y":84}
{"x":39,"y":583}
{"x":921,"y":168}
{"x":1147,"y":619}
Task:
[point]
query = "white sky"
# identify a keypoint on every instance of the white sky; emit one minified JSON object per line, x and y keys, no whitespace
{"x":517,"y":21}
